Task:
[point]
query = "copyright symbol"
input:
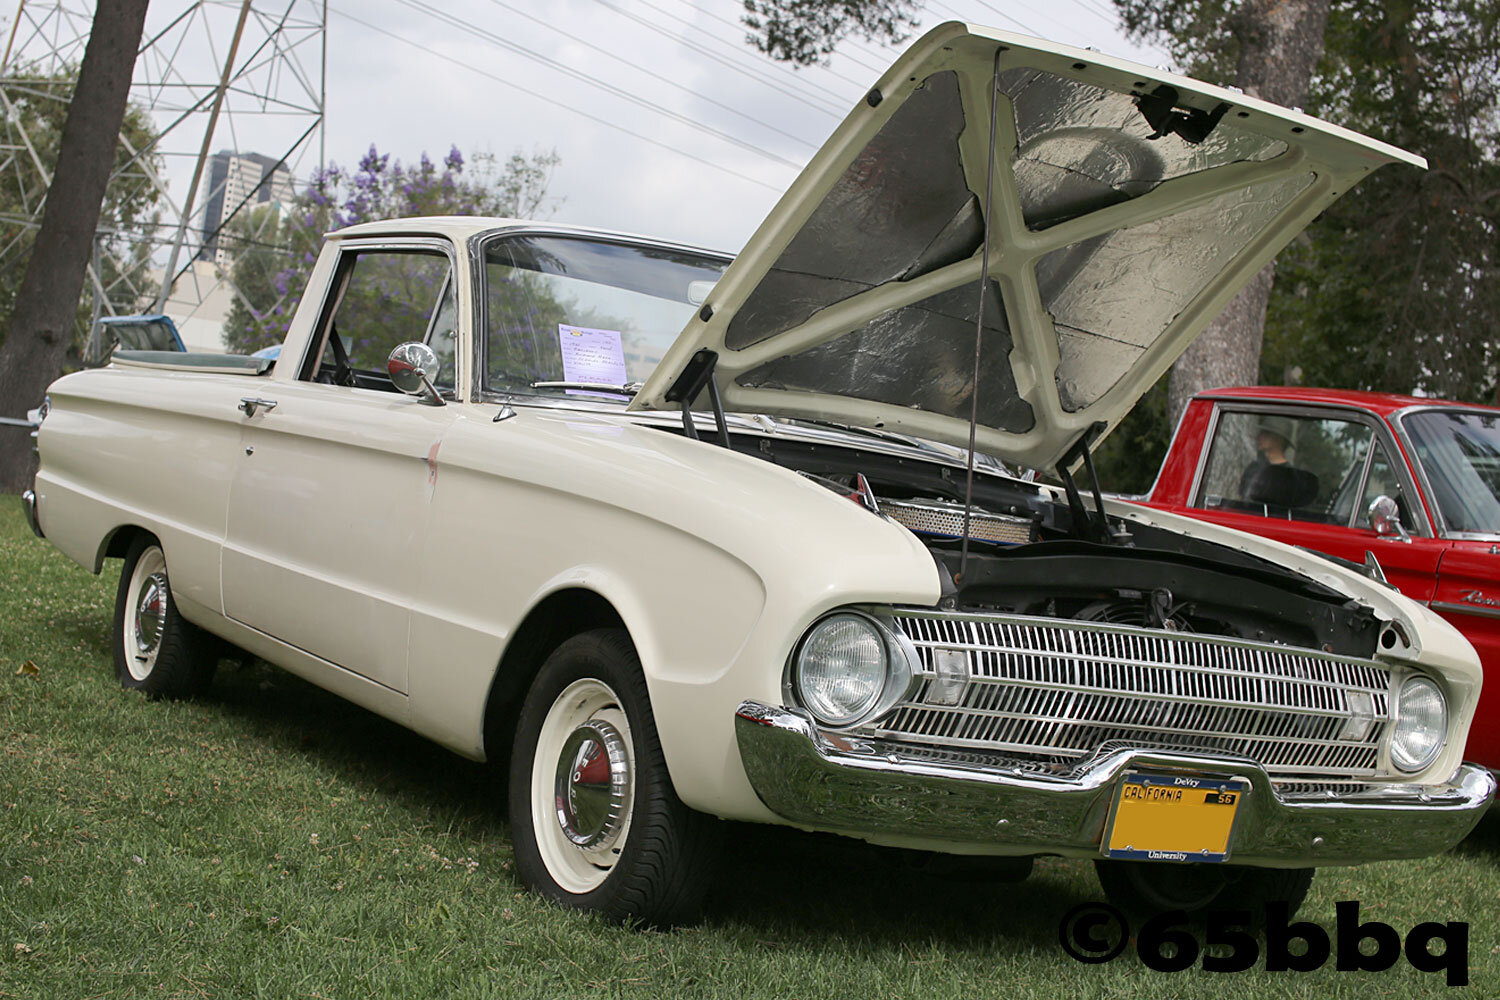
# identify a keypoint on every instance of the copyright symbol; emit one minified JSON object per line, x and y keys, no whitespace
{"x":1093,"y":933}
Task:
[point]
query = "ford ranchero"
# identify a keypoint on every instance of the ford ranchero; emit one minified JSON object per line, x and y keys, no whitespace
{"x":683,"y":538}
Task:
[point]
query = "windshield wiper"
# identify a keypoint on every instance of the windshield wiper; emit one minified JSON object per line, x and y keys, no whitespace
{"x":628,"y":389}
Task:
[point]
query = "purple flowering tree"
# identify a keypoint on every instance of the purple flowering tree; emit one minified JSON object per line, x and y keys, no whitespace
{"x":274,"y":253}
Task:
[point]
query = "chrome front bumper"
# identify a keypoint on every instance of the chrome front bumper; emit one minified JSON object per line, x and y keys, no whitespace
{"x":887,"y":791}
{"x":28,"y":499}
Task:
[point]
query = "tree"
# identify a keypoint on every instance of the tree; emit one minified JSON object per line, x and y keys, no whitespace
{"x":40,"y":105}
{"x":272,"y":261}
{"x":804,"y":32}
{"x":1397,"y":287}
{"x":1274,"y":46}
{"x":42,"y":316}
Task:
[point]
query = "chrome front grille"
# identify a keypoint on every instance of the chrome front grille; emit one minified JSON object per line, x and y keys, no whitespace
{"x":1067,"y":689}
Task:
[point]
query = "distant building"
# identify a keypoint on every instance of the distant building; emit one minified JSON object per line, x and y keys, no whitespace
{"x":235,"y":180}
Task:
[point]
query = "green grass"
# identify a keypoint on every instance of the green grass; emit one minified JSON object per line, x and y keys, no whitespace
{"x":268,"y":840}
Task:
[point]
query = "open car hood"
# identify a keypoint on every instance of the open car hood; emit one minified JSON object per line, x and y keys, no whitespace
{"x":1128,"y":206}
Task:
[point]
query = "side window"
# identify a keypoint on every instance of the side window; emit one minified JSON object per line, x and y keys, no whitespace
{"x":442,"y":335}
{"x":1382,"y":481}
{"x":1285,"y":466}
{"x":385,"y":298}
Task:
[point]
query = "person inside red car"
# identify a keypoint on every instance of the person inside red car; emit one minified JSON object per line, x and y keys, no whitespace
{"x":1271,"y":478}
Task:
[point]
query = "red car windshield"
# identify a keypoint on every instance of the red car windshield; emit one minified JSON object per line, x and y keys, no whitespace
{"x":1460,"y":453}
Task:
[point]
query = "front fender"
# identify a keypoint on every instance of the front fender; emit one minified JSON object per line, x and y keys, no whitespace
{"x":714,"y":560}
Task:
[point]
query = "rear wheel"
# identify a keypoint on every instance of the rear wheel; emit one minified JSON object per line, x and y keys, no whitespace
{"x":156,"y":650}
{"x":1144,"y":888}
{"x":594,"y":818}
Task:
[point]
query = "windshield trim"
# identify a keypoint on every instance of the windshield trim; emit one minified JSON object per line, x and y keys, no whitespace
{"x":1429,"y":496}
{"x":478,"y":245}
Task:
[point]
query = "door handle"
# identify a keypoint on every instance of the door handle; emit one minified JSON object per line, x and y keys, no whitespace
{"x":249,"y":404}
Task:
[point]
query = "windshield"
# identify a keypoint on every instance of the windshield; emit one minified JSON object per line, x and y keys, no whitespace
{"x":561,"y":308}
{"x":1460,"y":453}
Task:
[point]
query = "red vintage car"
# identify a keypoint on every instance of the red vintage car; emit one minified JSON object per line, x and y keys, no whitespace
{"x":1408,"y":486}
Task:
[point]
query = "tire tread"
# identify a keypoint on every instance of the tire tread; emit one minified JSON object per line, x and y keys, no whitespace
{"x":184,"y":662}
{"x":668,"y":861}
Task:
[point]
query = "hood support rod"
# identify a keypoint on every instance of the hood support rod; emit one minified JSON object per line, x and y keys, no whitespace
{"x":984,"y":284}
{"x":1083,"y":522}
{"x":697,"y":374}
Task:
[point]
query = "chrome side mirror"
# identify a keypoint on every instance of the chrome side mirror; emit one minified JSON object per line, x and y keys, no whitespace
{"x":1385,"y":518}
{"x":411,"y":366}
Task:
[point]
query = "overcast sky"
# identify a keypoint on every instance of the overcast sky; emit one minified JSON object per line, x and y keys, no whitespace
{"x":666,"y":122}
{"x":497,"y":81}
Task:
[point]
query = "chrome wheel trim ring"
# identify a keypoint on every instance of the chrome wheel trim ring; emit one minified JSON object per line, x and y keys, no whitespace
{"x":582,"y":785}
{"x":592,"y":787}
{"x":146,"y":613}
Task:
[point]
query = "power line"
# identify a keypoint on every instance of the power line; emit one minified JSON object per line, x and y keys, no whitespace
{"x":622,"y":94}
{"x":740,"y":27}
{"x":1039,"y":13}
{"x":994,"y":10}
{"x":836,"y":105}
{"x":655,"y":76}
{"x":551,"y":100}
{"x":1113,"y":16}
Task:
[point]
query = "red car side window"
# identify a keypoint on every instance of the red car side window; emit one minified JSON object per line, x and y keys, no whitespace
{"x":1289,"y":467}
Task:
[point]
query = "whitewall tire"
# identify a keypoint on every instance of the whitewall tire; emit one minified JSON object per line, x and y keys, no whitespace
{"x":594,"y":818}
{"x":156,"y":650}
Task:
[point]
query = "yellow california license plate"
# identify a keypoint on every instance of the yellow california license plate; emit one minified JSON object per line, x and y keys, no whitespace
{"x":1163,"y":817}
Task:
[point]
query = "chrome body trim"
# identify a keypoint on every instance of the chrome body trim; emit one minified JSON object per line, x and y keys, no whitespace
{"x":1465,"y":609}
{"x":28,"y":500}
{"x":859,"y":787}
{"x":250,"y":404}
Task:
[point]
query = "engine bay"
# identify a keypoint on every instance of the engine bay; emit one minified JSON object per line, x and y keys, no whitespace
{"x":1029,"y":554}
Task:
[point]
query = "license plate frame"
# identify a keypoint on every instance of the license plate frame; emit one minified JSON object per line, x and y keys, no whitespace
{"x":1164,"y":817}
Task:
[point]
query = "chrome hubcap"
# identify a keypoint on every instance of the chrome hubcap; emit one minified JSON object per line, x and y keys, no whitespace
{"x":144,"y":616}
{"x":151,"y":614}
{"x":592,"y":787}
{"x":582,"y":785}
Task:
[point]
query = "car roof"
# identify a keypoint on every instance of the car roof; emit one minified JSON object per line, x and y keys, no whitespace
{"x":460,"y":228}
{"x":1382,"y":403}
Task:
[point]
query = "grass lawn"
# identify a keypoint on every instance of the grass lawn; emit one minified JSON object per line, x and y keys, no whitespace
{"x":269,"y":840}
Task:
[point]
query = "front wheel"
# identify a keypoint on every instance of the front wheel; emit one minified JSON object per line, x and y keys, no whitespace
{"x":595,"y":821}
{"x":1143,"y":889}
{"x":156,"y":650}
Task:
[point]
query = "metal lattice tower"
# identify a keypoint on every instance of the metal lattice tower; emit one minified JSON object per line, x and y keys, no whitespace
{"x":237,"y":77}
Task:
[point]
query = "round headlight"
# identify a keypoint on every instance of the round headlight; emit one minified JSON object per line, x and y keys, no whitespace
{"x":841,"y":669}
{"x":1421,"y":722}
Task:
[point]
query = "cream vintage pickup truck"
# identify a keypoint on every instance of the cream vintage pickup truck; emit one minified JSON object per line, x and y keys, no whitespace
{"x":684,"y":538}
